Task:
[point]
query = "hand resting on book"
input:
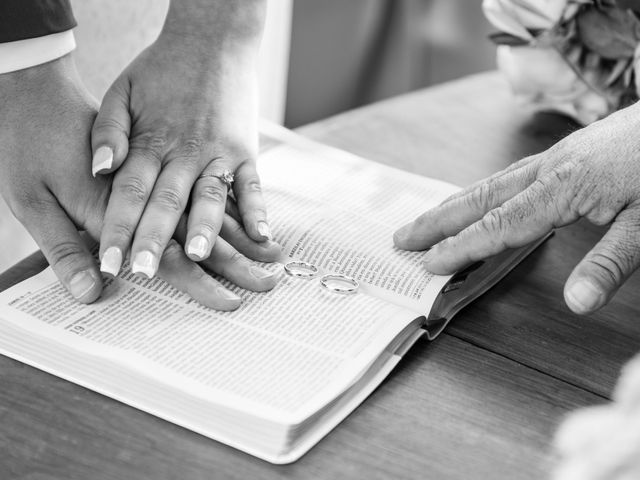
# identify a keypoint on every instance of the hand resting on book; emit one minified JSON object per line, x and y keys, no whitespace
{"x":45,"y":177}
{"x":178,"y":118}
{"x":593,"y":173}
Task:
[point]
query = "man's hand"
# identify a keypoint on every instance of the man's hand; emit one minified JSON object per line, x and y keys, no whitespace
{"x":44,"y":175}
{"x":181,"y":114}
{"x":46,"y":180}
{"x":593,"y":173}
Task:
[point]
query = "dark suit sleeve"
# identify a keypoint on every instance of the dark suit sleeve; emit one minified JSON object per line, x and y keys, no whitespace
{"x":22,"y":19}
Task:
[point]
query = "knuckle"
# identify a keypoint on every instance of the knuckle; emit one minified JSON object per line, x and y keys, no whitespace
{"x":26,"y":204}
{"x":133,"y":189}
{"x":236,"y":258}
{"x":251,"y":185}
{"x":107,"y":124}
{"x":483,"y":196}
{"x":153,"y":144}
{"x":121,"y":230}
{"x":212,"y":193}
{"x":205,"y":226}
{"x":190,"y":147}
{"x":173,"y":252}
{"x":170,"y":199}
{"x":610,"y":267}
{"x":232,"y":262}
{"x":493,"y":222}
{"x":602,"y":215}
{"x":152,"y":240}
{"x":63,"y":253}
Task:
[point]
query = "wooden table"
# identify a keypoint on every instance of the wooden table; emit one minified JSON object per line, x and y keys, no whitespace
{"x":481,"y":402}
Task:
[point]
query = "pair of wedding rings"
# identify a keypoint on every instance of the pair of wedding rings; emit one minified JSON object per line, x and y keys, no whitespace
{"x":333,"y":282}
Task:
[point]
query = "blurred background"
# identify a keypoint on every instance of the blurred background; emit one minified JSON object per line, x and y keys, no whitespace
{"x":318,"y":58}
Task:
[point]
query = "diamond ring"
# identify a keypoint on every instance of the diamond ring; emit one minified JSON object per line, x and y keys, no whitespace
{"x":226,"y":177}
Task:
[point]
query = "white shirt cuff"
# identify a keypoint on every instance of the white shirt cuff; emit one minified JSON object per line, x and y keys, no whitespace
{"x":34,"y":51}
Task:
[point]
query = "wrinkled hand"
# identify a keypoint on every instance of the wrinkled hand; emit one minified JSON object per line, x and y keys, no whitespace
{"x":181,"y":114}
{"x":593,"y":173}
{"x":46,"y":180}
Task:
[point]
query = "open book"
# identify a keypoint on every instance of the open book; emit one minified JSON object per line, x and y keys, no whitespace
{"x":275,"y":376}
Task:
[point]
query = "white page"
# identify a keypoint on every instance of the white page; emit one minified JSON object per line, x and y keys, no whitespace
{"x":339,"y":212}
{"x":287,"y":351}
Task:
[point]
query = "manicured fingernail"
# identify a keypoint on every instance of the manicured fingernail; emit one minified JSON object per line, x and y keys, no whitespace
{"x":263,"y":229}
{"x":102,"y":160}
{"x":228,"y":294}
{"x":81,"y":284}
{"x":198,"y":246}
{"x":261,"y":273}
{"x":111,"y":261}
{"x":144,"y":262}
{"x":584,"y":297}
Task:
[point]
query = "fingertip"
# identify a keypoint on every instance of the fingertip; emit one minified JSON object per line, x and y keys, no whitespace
{"x":400,"y":236}
{"x":583,"y":296}
{"x":102,"y":160}
{"x":198,"y":248}
{"x":225,"y":300}
{"x":257,"y":229}
{"x":266,"y":279}
{"x":264,"y":231}
{"x":85,"y":286}
{"x":111,"y":261}
{"x":145,"y":263}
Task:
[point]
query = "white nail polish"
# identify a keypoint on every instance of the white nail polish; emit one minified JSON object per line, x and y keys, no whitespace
{"x":263,"y":229}
{"x":227,"y":294}
{"x":144,"y":262}
{"x":102,"y":160}
{"x":198,"y":246}
{"x":111,"y":261}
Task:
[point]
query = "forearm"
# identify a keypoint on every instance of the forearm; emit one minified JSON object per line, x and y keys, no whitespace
{"x":232,"y":22}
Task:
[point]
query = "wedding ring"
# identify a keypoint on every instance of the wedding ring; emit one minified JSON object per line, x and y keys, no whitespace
{"x":338,"y":283}
{"x":226,"y":177}
{"x":301,"y":269}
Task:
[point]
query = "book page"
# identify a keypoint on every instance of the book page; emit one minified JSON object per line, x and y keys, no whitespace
{"x":288,"y":351}
{"x":339,"y":212}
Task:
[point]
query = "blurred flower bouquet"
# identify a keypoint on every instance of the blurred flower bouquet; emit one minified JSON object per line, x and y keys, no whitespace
{"x":577,"y":57}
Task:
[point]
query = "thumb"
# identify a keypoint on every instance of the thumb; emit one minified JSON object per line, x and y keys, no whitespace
{"x":606,"y":267}
{"x":111,"y":128}
{"x":65,"y":251}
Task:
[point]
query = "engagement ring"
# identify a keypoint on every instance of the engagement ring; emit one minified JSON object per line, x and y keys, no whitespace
{"x":226,"y":177}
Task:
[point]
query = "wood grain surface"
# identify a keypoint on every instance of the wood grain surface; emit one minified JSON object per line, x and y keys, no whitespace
{"x":482,"y":401}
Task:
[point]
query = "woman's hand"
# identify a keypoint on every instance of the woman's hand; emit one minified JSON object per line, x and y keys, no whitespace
{"x":593,"y":173}
{"x":179,"y":116}
{"x":46,"y":181}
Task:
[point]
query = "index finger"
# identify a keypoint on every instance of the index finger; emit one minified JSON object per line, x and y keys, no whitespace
{"x":526,"y":217}
{"x":463,"y":208}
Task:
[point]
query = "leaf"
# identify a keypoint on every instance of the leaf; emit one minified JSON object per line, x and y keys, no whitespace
{"x":501,"y":38}
{"x":610,"y":32}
